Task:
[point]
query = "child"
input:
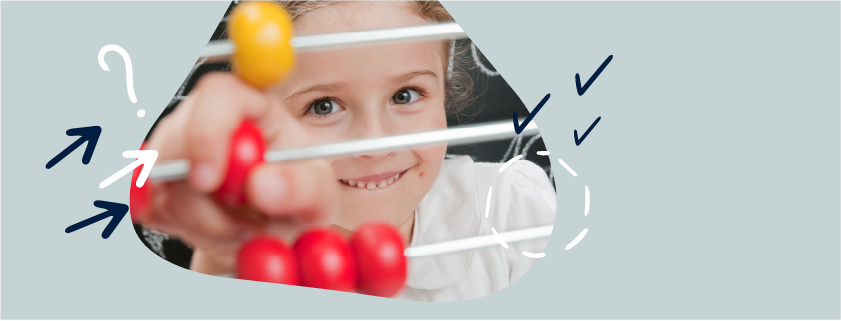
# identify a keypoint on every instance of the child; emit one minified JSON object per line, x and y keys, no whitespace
{"x":344,"y":94}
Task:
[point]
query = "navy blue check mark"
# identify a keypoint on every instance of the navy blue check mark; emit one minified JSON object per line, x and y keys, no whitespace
{"x":519,"y":127}
{"x":581,"y":90}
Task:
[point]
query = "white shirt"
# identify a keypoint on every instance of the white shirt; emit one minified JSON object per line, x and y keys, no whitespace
{"x":454,"y":208}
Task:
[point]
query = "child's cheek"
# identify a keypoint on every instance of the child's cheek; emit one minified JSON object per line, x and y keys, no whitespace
{"x":431,"y":160}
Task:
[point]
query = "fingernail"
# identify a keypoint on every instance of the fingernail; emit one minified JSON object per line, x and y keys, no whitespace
{"x":271,"y":189}
{"x":202,"y":177}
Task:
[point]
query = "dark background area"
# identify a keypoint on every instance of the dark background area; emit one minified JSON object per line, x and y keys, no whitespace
{"x":493,"y":100}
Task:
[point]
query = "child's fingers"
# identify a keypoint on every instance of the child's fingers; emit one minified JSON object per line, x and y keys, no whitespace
{"x":162,"y":223}
{"x":169,"y":137}
{"x":200,"y":221}
{"x":281,"y":128}
{"x":222,"y":102}
{"x":300,"y":190}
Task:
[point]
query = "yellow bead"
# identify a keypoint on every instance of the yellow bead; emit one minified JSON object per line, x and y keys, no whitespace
{"x":261,"y":32}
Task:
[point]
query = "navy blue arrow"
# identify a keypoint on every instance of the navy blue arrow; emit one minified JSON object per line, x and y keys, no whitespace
{"x":89,"y":134}
{"x":582,"y":90}
{"x":519,"y":127}
{"x":115,"y":210}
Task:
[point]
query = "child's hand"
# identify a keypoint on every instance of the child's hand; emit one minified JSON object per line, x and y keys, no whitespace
{"x":283,"y":198}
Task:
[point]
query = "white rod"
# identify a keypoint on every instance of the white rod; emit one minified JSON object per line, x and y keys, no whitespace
{"x":220,"y":49}
{"x":478,"y":242}
{"x":178,"y":169}
{"x":472,"y":243}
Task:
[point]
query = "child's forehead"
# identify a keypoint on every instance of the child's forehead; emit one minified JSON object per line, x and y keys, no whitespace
{"x":344,"y":16}
{"x":370,"y":66}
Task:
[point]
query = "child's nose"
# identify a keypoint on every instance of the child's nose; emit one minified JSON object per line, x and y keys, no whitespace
{"x":374,"y":156}
{"x":374,"y":125}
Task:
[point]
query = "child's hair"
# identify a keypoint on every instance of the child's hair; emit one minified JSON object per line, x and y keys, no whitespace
{"x":458,"y":83}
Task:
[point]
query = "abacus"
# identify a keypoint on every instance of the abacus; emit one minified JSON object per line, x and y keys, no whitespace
{"x":353,"y":265}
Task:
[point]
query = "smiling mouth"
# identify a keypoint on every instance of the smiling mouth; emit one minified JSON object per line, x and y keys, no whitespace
{"x":373,"y":184}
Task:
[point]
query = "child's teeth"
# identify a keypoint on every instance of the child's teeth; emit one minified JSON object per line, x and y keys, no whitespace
{"x":372,"y":185}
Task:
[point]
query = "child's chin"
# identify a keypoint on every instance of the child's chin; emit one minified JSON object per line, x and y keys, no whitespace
{"x":389,"y":205}
{"x":371,"y":213}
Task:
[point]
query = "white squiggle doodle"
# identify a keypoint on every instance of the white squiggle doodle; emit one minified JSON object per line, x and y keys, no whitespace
{"x":534,"y":255}
{"x":129,"y":71}
{"x":543,"y":152}
{"x":586,"y":200}
{"x":576,"y":240}
{"x":488,"y":204}
{"x":499,"y":239}
{"x":479,"y":63}
{"x":567,"y":167}
{"x":508,"y":163}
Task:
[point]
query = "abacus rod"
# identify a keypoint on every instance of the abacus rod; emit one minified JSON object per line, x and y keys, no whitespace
{"x":479,"y":242}
{"x":220,"y":49}
{"x":472,"y":243}
{"x":178,"y":169}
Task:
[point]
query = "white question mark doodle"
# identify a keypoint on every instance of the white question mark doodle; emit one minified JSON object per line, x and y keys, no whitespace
{"x":129,"y":73}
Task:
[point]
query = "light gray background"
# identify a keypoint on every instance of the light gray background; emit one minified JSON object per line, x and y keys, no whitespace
{"x":714,"y":171}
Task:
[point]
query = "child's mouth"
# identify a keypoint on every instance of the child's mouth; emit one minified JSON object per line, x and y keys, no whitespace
{"x":374,"y":182}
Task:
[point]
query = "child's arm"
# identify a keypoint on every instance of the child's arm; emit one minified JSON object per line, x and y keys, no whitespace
{"x":288,"y":196}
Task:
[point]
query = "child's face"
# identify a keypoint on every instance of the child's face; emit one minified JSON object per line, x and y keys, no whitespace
{"x":367,"y":92}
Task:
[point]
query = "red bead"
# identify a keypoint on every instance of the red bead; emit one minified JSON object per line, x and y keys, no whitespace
{"x":247,"y":149}
{"x":379,"y":253}
{"x":139,"y":197}
{"x":326,"y":261}
{"x":267,"y":259}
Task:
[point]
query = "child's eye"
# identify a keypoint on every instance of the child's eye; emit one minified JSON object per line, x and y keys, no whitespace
{"x":325,"y":107}
{"x":405,"y":96}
